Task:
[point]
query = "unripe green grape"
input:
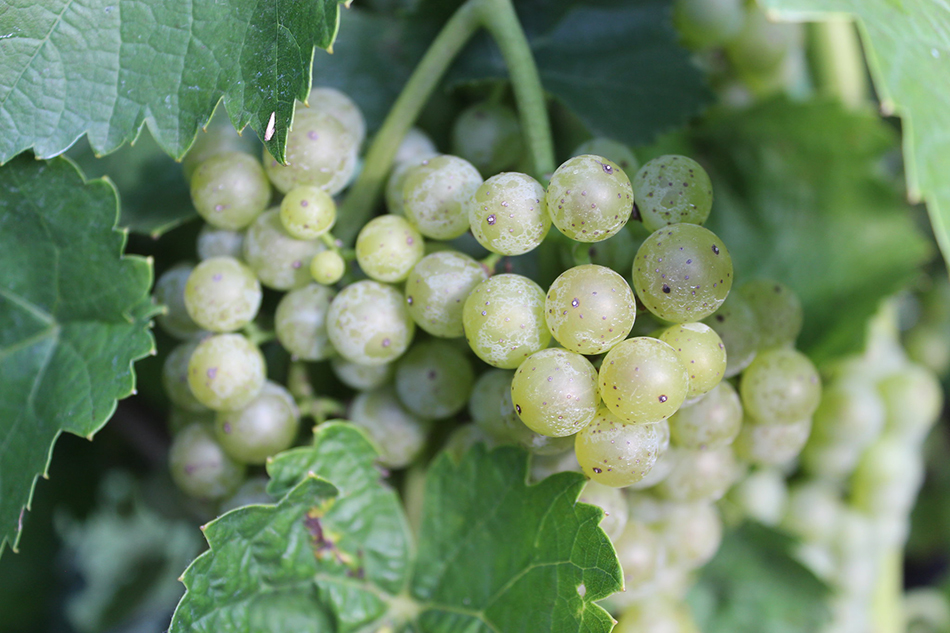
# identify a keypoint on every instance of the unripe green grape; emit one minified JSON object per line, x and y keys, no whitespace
{"x":222,"y":294}
{"x":307,"y":212}
{"x":435,"y":194}
{"x":362,"y":377}
{"x":170,"y":292}
{"x":589,"y":309}
{"x":615,"y":453}
{"x":175,"y":378}
{"x":200,"y":467}
{"x":702,"y":353}
{"x":777,"y":310}
{"x":682,"y":272}
{"x":397,"y":179}
{"x":760,"y":45}
{"x":399,"y":435}
{"x":700,"y":475}
{"x":488,"y":135}
{"x":642,"y":380}
{"x":327,"y":267}
{"x":215,"y":242}
{"x":338,"y":105}
{"x":691,"y":533}
{"x":301,"y":322}
{"x":263,"y":427}
{"x":814,"y":510}
{"x":851,"y":411}
{"x":503,"y":319}
{"x":230,"y":190}
{"x":615,"y":253}
{"x":614,"y":151}
{"x":830,"y":461}
{"x":888,"y":477}
{"x":781,"y":386}
{"x":508,"y":214}
{"x":226,"y":371}
{"x":280,"y":261}
{"x":589,"y":198}
{"x":368,"y":323}
{"x":640,"y":553}
{"x":912,"y":400}
{"x":664,"y":463}
{"x":712,"y":422}
{"x":463,"y":438}
{"x":672,"y":189}
{"x":708,"y":23}
{"x":761,"y":495}
{"x":434,"y":380}
{"x":771,"y":444}
{"x":415,"y":145}
{"x":321,"y":152}
{"x":436,"y":290}
{"x":217,"y":137}
{"x":388,"y":247}
{"x":736,"y":324}
{"x":612,"y":502}
{"x":555,"y":392}
{"x":662,"y":614}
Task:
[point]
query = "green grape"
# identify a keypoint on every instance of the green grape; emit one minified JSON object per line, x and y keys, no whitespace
{"x":503,"y":319}
{"x":912,"y":400}
{"x":301,"y":322}
{"x":771,"y":444}
{"x":762,"y":496}
{"x":888,"y":477}
{"x":435,"y":194}
{"x":614,"y":151}
{"x":781,"y":386}
{"x":508,"y":214}
{"x":664,"y":463}
{"x":701,"y":351}
{"x":436,"y":290}
{"x":814,"y":510}
{"x":434,"y":380}
{"x":615,"y":253}
{"x":307,"y":212}
{"x":708,"y":23}
{"x":321,"y":152}
{"x":280,"y":261}
{"x":226,"y":371}
{"x":263,"y":427}
{"x":543,"y":466}
{"x":851,"y":411}
{"x":640,"y":553}
{"x":737,"y":326}
{"x":690,"y":533}
{"x":615,"y":453}
{"x":661,"y":614}
{"x":397,"y":179}
{"x":175,"y":378}
{"x":338,"y":105}
{"x":555,"y":392}
{"x":777,"y":311}
{"x":760,"y":45}
{"x":362,"y":377}
{"x":222,"y":294}
{"x":699,"y":475}
{"x":672,"y":189}
{"x":642,"y":380}
{"x":218,"y":137}
{"x":830,"y":461}
{"x":399,"y":436}
{"x":170,"y":292}
{"x":589,"y":198}
{"x":589,"y":309}
{"x":488,"y":135}
{"x":929,"y":345}
{"x":200,"y":467}
{"x":388,"y":247}
{"x":415,"y":145}
{"x":682,"y":272}
{"x":463,"y":438}
{"x":368,"y":323}
{"x":612,"y":502}
{"x":230,"y":190}
{"x":327,"y":267}
{"x":712,"y":422}
{"x":538,"y":444}
{"x":215,"y":242}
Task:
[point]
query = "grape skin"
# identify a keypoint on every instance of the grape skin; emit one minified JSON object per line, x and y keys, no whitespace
{"x":200,"y":467}
{"x":397,"y":179}
{"x":229,"y":190}
{"x":306,"y":213}
{"x":300,"y":322}
{"x":175,"y":378}
{"x":555,"y":392}
{"x":435,"y":196}
{"x":436,"y":290}
{"x":508,"y":214}
{"x":170,"y":292}
{"x":327,"y":267}
{"x":589,"y":198}
{"x":712,"y":422}
{"x":280,"y":261}
{"x":338,"y":105}
{"x":700,"y":475}
{"x":771,"y":444}
{"x":263,"y":427}
{"x":614,"y":151}
{"x":614,"y":453}
{"x":737,"y":326}
{"x":781,"y":386}
{"x":642,"y":380}
{"x":222,"y":294}
{"x":215,"y":242}
{"x":388,"y":247}
{"x":362,"y":377}
{"x":398,"y":435}
{"x":777,"y":310}
{"x":488,"y":135}
{"x":702,"y":353}
{"x":672,"y":189}
{"x":226,"y":371}
{"x":434,"y":380}
{"x":368,"y":323}
{"x":612,"y":502}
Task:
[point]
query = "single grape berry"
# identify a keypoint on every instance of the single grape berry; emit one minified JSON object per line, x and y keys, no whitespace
{"x":781,"y":386}
{"x":388,"y":247}
{"x":362,"y":377}
{"x":397,"y":178}
{"x":682,"y":272}
{"x":589,"y":198}
{"x":280,"y":261}
{"x":700,"y":475}
{"x":175,"y":378}
{"x":508,"y":214}
{"x":263,"y":427}
{"x":712,"y":422}
{"x":702,"y":353}
{"x":672,"y":189}
{"x":415,"y":145}
{"x":488,"y":135}
{"x":436,"y":290}
{"x":777,"y":310}
{"x":435,"y":195}
{"x":399,"y":435}
{"x":215,"y":242}
{"x":222,"y":294}
{"x":200,"y":467}
{"x":307,"y":212}
{"x":642,"y":380}
{"x":170,"y":292}
{"x":300,"y":322}
{"x":368,"y":323}
{"x":434,"y":380}
{"x":230,"y":190}
{"x":615,"y":453}
{"x":338,"y":105}
{"x":327,"y":267}
{"x":554,"y":392}
{"x":736,"y":325}
{"x":771,"y":444}
{"x":226,"y":371}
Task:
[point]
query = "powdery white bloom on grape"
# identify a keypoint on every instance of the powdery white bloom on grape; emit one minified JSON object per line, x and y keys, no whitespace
{"x":642,"y":380}
{"x":222,"y":294}
{"x":368,"y":323}
{"x":338,"y":105}
{"x":702,"y":353}
{"x":301,"y":322}
{"x":703,"y":474}
{"x":589,"y":309}
{"x":280,"y":261}
{"x":672,"y":189}
{"x":771,"y":444}
{"x":589,"y":198}
{"x":215,"y":242}
{"x":437,"y":288}
{"x":388,"y":247}
{"x":362,"y":377}
{"x":435,"y":194}
{"x":229,"y":190}
{"x":781,"y":386}
{"x":711,"y":422}
{"x":265,"y":426}
{"x":555,"y":392}
{"x":508,"y":214}
{"x":615,"y":453}
{"x":226,"y":371}
{"x":398,"y":435}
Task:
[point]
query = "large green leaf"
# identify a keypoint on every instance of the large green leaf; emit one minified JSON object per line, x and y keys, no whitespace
{"x":75,"y":315}
{"x":908,"y":51}
{"x":335,"y":554}
{"x":800,"y":198}
{"x":102,"y":68}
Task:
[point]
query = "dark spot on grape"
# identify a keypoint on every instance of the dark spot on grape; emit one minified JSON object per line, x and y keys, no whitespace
{"x":386,"y":342}
{"x":217,"y":277}
{"x":597,"y":470}
{"x":212,"y":372}
{"x":518,"y":408}
{"x":575,"y":302}
{"x":227,"y":427}
{"x":491,"y":219}
{"x":304,"y":203}
{"x":662,"y":398}
{"x":432,"y":375}
{"x":312,"y":135}
{"x":715,"y":249}
{"x":666,"y":289}
{"x":409,"y":300}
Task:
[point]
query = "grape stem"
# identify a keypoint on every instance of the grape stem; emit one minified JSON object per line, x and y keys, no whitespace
{"x":501,"y":21}
{"x":490,"y":262}
{"x":257,"y":335}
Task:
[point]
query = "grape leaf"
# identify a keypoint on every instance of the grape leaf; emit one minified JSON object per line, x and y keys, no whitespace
{"x":75,"y":315}
{"x":494,"y":554}
{"x":800,"y":198}
{"x":753,"y":579}
{"x":907,"y":44}
{"x":101,"y":68}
